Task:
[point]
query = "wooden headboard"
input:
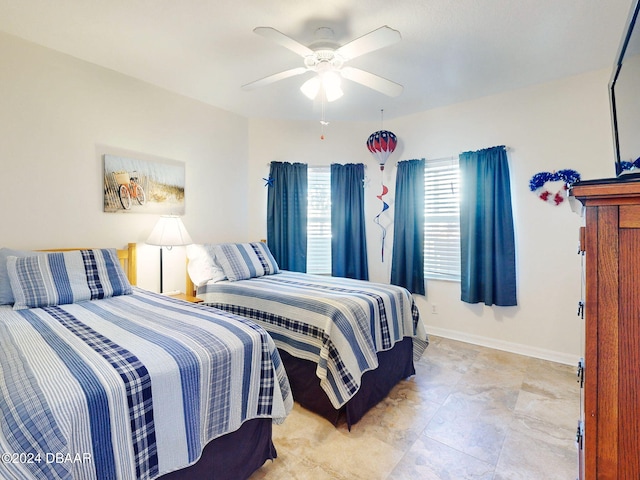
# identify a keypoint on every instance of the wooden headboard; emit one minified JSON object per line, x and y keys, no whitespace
{"x":127,"y":257}
{"x":190,"y":287}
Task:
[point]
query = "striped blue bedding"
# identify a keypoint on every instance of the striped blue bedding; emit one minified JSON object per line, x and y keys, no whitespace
{"x":129,"y":387}
{"x":340,"y":324}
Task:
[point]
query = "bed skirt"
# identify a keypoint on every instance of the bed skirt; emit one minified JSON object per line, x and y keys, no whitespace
{"x":234,"y":456}
{"x":393,"y":365}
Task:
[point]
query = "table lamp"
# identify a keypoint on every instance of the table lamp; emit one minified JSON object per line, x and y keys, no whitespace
{"x":169,"y":232}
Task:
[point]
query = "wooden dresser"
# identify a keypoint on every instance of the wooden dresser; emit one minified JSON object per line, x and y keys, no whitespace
{"x":609,"y":443}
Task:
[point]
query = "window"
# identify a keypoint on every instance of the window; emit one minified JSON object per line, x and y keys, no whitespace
{"x":319,"y":220}
{"x":442,"y":219}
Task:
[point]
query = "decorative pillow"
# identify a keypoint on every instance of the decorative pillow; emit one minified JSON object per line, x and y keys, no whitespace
{"x":6,"y":295}
{"x":202,"y":266}
{"x":245,"y":260}
{"x":59,"y":278}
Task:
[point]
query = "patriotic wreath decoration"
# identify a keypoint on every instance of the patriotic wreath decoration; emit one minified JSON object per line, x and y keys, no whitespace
{"x":538,"y":181}
{"x":630,"y":165}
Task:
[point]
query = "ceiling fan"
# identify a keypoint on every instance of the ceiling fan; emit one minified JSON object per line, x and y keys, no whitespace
{"x":328,"y":61}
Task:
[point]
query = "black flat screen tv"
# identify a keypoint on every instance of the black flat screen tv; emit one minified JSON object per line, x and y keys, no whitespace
{"x":624,"y":96}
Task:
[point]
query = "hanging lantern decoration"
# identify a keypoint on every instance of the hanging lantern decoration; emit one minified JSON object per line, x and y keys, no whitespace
{"x":381,"y":144}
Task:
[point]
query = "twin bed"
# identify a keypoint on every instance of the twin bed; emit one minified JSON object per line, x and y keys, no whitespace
{"x":101,"y":380}
{"x":345,"y":343}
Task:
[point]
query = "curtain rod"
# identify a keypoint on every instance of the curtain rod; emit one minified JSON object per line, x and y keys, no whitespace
{"x":452,"y":157}
{"x":487,"y":148}
{"x":318,"y":166}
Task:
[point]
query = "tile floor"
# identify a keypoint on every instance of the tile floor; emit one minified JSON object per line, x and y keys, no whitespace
{"x":469,"y":413}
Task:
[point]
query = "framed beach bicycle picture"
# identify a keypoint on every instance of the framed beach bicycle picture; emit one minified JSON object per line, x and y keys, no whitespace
{"x":143,"y":186}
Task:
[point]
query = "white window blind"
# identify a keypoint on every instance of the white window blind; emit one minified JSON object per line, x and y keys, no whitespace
{"x":319,"y":220}
{"x":442,"y":219}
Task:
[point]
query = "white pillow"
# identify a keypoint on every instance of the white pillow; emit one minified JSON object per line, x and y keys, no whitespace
{"x":202,"y":266}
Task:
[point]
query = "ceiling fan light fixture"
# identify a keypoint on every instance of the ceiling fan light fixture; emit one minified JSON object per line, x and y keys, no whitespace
{"x":331,"y":85}
{"x":327,"y":82}
{"x":311,"y":87}
{"x":326,"y":57}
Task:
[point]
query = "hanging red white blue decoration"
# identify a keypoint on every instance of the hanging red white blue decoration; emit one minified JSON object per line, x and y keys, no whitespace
{"x":538,"y":182}
{"x":630,"y":165}
{"x":381,"y":144}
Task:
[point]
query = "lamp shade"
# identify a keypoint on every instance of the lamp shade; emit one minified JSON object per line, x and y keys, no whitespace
{"x":331,"y":85}
{"x":169,"y":232}
{"x":327,"y":83}
{"x":311,"y":87}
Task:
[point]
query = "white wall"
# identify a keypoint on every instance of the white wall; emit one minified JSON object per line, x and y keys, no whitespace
{"x":58,"y":115}
{"x":559,"y":125}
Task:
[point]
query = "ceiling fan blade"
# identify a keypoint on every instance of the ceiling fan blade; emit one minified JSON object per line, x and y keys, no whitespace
{"x":379,"y":38}
{"x":283,"y":40}
{"x":274,"y":78}
{"x":375,"y":82}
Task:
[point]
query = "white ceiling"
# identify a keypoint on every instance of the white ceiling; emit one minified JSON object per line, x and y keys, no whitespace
{"x":451,"y":50}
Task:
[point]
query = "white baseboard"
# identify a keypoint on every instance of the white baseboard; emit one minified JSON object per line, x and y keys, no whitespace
{"x":542,"y":353}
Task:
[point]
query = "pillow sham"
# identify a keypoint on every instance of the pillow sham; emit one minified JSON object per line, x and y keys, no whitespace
{"x":6,"y":295}
{"x":202,"y":266}
{"x":241,"y":261}
{"x":60,"y":278}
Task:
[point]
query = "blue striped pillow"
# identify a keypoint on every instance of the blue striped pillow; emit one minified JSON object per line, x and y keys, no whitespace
{"x":59,"y":278}
{"x":6,"y":295}
{"x":241,"y":261}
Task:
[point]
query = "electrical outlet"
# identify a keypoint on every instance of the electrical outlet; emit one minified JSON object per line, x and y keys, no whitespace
{"x":434,"y":309}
